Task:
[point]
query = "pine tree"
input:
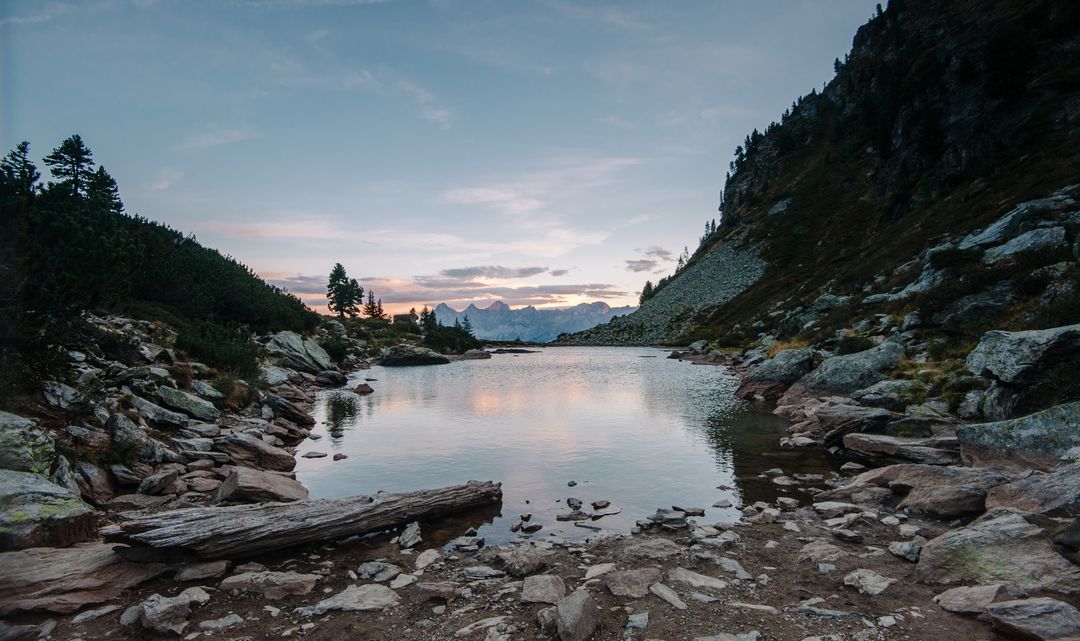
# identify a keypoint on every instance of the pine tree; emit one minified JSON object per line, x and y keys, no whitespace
{"x":428,"y":321}
{"x":101,"y":190}
{"x":343,"y":293}
{"x":19,"y":171}
{"x":646,"y":292}
{"x":371,"y":307}
{"x":379,"y":309}
{"x":466,"y":325}
{"x":73,"y":163}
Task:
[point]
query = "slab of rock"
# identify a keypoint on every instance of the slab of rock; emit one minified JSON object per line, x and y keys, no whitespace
{"x":1018,"y":220}
{"x":907,"y":550}
{"x":200,"y":571}
{"x":164,"y":615}
{"x":189,"y":404}
{"x":35,"y":512}
{"x":426,"y":558}
{"x":543,"y":588}
{"x":654,"y":548}
{"x":247,"y":485}
{"x":271,"y":585}
{"x":251,"y":451}
{"x":229,"y":621}
{"x":771,"y":379}
{"x":971,"y":600}
{"x":159,"y":415}
{"x":410,"y":536}
{"x":408,"y":355}
{"x":427,"y":591}
{"x":94,"y":483}
{"x":695,"y":580}
{"x":937,"y":450}
{"x":126,"y":436}
{"x":1044,"y":239}
{"x":633,"y":584}
{"x":667,"y":595}
{"x":820,"y":552}
{"x":1038,"y":440}
{"x":24,"y":447}
{"x":481,"y":572}
{"x":63,"y":580}
{"x":852,"y":372}
{"x":599,"y":569}
{"x":402,"y":581}
{"x":998,"y":547}
{"x":868,"y":581}
{"x":576,"y":616}
{"x":1043,"y":619}
{"x":356,"y":598}
{"x":890,"y":394}
{"x":293,"y":351}
{"x":1055,"y":494}
{"x":377,"y":571}
{"x":522,"y":561}
{"x":939,"y":491}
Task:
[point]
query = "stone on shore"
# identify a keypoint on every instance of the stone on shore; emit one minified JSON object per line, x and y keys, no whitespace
{"x":251,"y":451}
{"x":356,"y":598}
{"x":1054,"y":494}
{"x":938,"y":491}
{"x":293,"y":351}
{"x":851,"y":372}
{"x":35,"y":512}
{"x":24,"y":447}
{"x":271,"y":585}
{"x":1042,"y":619}
{"x":936,"y":450}
{"x":189,"y":404}
{"x":772,"y":378}
{"x":695,"y":580}
{"x":868,"y":581}
{"x":971,"y":600}
{"x":576,"y":616}
{"x":632,"y":584}
{"x":408,"y":355}
{"x":1038,"y":440}
{"x":62,"y":580}
{"x":999,"y":547}
{"x":543,"y":588}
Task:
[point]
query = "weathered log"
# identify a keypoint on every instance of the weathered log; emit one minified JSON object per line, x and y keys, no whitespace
{"x":244,"y":530}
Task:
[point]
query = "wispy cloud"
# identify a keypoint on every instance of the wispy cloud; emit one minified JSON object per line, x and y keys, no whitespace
{"x":290,"y":4}
{"x":217,"y":137}
{"x":560,"y":272}
{"x":493,"y":271}
{"x":641,"y":265}
{"x":658,"y":252}
{"x":165,"y":180}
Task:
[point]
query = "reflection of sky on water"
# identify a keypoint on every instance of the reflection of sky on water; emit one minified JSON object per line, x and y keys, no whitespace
{"x":640,"y":432}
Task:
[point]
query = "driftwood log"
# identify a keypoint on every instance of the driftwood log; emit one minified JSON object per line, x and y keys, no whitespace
{"x":244,"y":530}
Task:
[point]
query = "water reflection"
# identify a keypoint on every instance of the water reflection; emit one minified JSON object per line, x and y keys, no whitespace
{"x":639,"y":432}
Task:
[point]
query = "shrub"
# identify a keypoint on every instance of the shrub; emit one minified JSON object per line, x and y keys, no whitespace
{"x":853,"y":344}
{"x":336,"y":348}
{"x":224,"y":348}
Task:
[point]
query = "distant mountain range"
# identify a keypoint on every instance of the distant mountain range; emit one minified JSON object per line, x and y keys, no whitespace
{"x":499,"y":322}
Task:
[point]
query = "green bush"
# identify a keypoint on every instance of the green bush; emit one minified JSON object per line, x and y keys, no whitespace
{"x":450,"y":340}
{"x":225,"y":348}
{"x":336,"y":348}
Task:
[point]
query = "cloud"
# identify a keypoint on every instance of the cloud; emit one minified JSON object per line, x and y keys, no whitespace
{"x":299,"y":283}
{"x":560,"y":272}
{"x":658,"y":252}
{"x":506,"y":199}
{"x":641,"y":265}
{"x":440,"y":116}
{"x":217,"y":137}
{"x":295,"y":229}
{"x":493,"y":271}
{"x":292,"y":4}
{"x":165,"y":180}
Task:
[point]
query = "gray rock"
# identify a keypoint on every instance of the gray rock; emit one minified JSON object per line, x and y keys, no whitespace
{"x":64,"y":476}
{"x":482,"y":572}
{"x":160,"y":482}
{"x":377,"y":571}
{"x":1018,"y":220}
{"x":247,"y":485}
{"x":999,"y":547}
{"x":410,"y":536}
{"x":24,"y":447}
{"x":59,"y":395}
{"x":1043,"y":239}
{"x":159,"y":415}
{"x":200,"y":571}
{"x":770,"y":379}
{"x":907,"y":550}
{"x":426,"y":558}
{"x":522,"y":561}
{"x":250,"y":451}
{"x":189,"y":404}
{"x":1054,"y":494}
{"x":274,"y":375}
{"x":891,"y":394}
{"x":291,"y":350}
{"x":695,"y":580}
{"x":654,"y":548}
{"x":971,"y":600}
{"x":977,"y":308}
{"x":632,"y":583}
{"x":35,"y":512}
{"x":1020,"y":357}
{"x":1043,"y":619}
{"x":1038,"y":440}
{"x":868,"y":581}
{"x":667,"y":595}
{"x":94,"y":483}
{"x":940,"y":491}
{"x":206,"y":390}
{"x":129,"y":438}
{"x":229,"y":621}
{"x":852,"y":372}
{"x":370,"y":597}
{"x":408,"y":355}
{"x":91,"y":615}
{"x":165,"y":615}
{"x":938,"y":450}
{"x":543,"y":588}
{"x":576,"y":616}
{"x":271,"y":585}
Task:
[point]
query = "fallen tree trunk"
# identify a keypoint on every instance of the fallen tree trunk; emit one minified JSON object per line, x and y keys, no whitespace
{"x":244,"y":530}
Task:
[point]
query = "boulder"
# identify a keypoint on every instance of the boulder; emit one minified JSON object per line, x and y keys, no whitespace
{"x":246,"y":485}
{"x":543,"y":588}
{"x":434,"y":590}
{"x":475,"y":355}
{"x":189,"y":404}
{"x":356,"y":598}
{"x":288,"y":410}
{"x":1048,"y":240}
{"x":363,"y":389}
{"x":274,"y":375}
{"x":1020,"y":357}
{"x":937,"y":450}
{"x":1042,"y":619}
{"x":1038,"y":440}
{"x":978,"y":308}
{"x":24,"y":447}
{"x":132,"y":442}
{"x":271,"y":585}
{"x":576,"y":616}
{"x":999,"y":547}
{"x":940,"y":491}
{"x":522,"y":561}
{"x":293,"y":351}
{"x":159,"y":415}
{"x":94,"y":483}
{"x":406,"y":355}
{"x":1017,"y":221}
{"x":1055,"y":494}
{"x":330,"y":378}
{"x":892,"y":394}
{"x":772,"y":378}
{"x":164,"y":615}
{"x":62,"y":580}
{"x":852,"y":372}
{"x":35,"y":512}
{"x":251,"y":451}
{"x":971,"y":600}
{"x":868,"y":582}
{"x":206,"y":390}
{"x":59,"y":395}
{"x":632,"y":584}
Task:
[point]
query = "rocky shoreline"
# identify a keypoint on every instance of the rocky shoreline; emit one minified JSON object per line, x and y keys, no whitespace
{"x":921,"y":546}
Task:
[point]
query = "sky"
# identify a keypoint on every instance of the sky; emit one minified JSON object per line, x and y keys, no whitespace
{"x":540,"y":152}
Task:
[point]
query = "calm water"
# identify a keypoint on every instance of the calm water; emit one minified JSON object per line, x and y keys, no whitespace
{"x":627,"y":424}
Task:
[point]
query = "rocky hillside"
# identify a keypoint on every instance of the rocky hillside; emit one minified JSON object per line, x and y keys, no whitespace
{"x":944,"y":118}
{"x":501,"y":323}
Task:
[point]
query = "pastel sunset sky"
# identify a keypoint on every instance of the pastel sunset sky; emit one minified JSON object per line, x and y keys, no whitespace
{"x":537,"y":152}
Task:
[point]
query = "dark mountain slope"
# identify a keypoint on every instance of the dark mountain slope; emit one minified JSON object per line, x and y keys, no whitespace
{"x":944,"y":116}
